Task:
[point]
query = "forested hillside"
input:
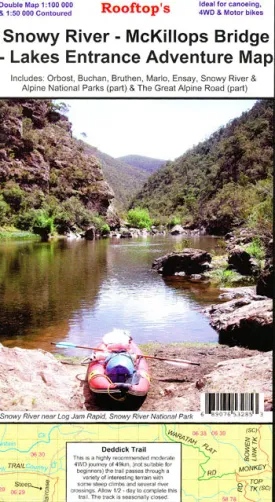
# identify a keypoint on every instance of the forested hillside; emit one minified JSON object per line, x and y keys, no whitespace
{"x":147,"y":164}
{"x":46,"y":178}
{"x":223,"y":182}
{"x":124,"y":179}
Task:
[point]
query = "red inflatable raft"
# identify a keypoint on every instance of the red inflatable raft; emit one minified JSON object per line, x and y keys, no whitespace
{"x":118,"y":367}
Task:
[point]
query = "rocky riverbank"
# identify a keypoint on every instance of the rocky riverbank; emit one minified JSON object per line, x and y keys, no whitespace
{"x":122,"y":230}
{"x":37,"y":380}
{"x":246,"y":320}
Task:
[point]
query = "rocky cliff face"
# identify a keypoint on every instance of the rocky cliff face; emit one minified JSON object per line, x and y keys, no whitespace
{"x":38,"y":154}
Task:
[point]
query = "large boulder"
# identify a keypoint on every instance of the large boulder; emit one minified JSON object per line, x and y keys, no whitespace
{"x":189,"y":261}
{"x":90,"y":233}
{"x":177,"y":230}
{"x":135,"y":232}
{"x":246,"y":322}
{"x":265,"y":284}
{"x":241,"y":261}
{"x":239,"y":292}
{"x":112,"y":218}
{"x":126,"y":234}
{"x":35,"y":380}
{"x":239,"y":237}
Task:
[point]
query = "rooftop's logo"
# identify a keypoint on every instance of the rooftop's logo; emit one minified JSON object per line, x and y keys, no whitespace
{"x":135,"y":8}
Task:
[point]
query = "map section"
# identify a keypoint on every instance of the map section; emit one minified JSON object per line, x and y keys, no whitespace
{"x":208,"y":462}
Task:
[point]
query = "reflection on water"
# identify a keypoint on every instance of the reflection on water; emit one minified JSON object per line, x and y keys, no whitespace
{"x":77,"y":291}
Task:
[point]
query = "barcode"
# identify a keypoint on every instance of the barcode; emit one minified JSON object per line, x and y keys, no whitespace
{"x":217,"y":401}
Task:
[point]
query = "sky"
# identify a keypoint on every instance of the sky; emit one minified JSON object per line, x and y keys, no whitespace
{"x":162,"y":129}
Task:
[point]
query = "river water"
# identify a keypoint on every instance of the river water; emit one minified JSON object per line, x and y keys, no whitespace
{"x":76,"y":291}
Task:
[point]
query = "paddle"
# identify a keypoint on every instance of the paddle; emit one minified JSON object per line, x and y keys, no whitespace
{"x":164,"y":359}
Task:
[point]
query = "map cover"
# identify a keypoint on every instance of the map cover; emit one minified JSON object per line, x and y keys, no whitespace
{"x":136,"y":251}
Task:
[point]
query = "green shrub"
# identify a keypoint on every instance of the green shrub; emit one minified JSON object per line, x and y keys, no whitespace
{"x":256,"y":249}
{"x":4,"y":212}
{"x":51,"y":205}
{"x":97,"y":221}
{"x":43,"y":220}
{"x":79,"y":213}
{"x":105,"y":229}
{"x":33,"y":200}
{"x":229,"y":276}
{"x":72,"y":214}
{"x":226,"y":277}
{"x":25,"y":220}
{"x":174,"y":220}
{"x":63,"y":222}
{"x":13,"y":195}
{"x":139,"y":218}
{"x":43,"y":225}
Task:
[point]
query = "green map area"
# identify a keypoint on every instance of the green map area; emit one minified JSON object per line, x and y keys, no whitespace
{"x":220,"y":463}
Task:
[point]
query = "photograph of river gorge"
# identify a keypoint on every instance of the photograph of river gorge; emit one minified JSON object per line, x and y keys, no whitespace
{"x":136,"y":247}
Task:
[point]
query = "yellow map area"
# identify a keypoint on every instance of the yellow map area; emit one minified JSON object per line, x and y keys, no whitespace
{"x":220,"y":463}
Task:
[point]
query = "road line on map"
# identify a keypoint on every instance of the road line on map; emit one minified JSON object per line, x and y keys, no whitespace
{"x":264,"y":452}
{"x":200,"y":478}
